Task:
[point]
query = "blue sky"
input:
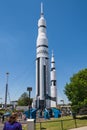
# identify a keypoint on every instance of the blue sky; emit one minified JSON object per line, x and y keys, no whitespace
{"x":67,"y":37}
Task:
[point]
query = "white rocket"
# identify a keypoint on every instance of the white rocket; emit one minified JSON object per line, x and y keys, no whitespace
{"x":53,"y":89}
{"x":42,"y":64}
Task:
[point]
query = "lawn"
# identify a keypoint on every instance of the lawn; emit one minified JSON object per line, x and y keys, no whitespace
{"x":24,"y":127}
{"x":64,"y":123}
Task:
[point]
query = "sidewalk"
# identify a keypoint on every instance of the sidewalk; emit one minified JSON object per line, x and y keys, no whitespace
{"x":81,"y":128}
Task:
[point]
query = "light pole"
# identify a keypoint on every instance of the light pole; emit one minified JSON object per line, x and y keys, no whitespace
{"x":29,"y":89}
{"x":6,"y":91}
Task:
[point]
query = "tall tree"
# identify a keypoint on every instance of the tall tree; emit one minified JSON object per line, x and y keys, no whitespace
{"x":24,"y":100}
{"x":76,"y":90}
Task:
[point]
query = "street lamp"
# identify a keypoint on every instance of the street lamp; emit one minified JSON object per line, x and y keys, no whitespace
{"x":29,"y":89}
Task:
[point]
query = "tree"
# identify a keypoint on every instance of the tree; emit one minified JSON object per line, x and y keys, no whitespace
{"x":76,"y":90}
{"x":24,"y":100}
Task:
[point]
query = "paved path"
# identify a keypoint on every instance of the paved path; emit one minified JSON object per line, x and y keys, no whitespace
{"x":1,"y":126}
{"x":81,"y":128}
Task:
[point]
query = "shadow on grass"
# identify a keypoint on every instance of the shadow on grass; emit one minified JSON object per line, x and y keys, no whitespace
{"x":82,"y":117}
{"x":43,"y":128}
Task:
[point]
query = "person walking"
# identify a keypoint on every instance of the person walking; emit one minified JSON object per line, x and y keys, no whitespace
{"x":12,"y":123}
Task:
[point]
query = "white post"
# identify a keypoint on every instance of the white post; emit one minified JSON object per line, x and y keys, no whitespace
{"x":30,"y":124}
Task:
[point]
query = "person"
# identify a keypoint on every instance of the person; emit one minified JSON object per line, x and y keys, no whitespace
{"x":12,"y":123}
{"x":3,"y":118}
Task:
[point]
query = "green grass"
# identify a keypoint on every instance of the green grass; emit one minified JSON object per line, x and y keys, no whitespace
{"x":24,"y":127}
{"x":55,"y":124}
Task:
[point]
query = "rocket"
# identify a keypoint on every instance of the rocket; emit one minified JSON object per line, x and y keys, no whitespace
{"x":53,"y":88}
{"x":46,"y":90}
{"x":42,"y":64}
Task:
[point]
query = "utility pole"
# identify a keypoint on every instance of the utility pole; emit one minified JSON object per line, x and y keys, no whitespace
{"x":6,"y":91}
{"x":29,"y":89}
